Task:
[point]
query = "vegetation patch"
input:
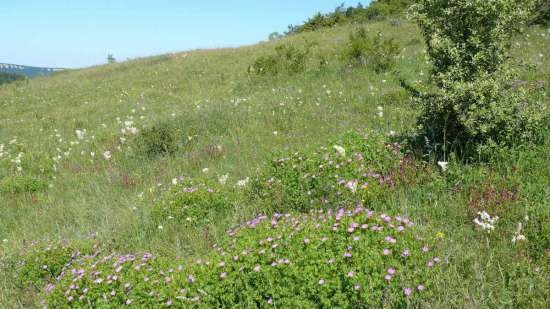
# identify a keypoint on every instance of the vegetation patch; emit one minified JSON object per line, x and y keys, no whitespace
{"x":347,"y":258}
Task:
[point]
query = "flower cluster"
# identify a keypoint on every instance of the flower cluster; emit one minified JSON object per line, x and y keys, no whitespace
{"x":485,"y":221}
{"x":335,"y":258}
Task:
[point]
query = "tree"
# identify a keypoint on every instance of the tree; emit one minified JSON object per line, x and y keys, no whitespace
{"x":473,"y":104}
{"x":111,"y":58}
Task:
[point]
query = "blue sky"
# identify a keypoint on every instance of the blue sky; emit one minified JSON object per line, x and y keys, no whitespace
{"x":79,"y":33}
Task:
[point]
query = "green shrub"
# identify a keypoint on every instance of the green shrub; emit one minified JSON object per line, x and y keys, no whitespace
{"x":191,"y":204}
{"x":325,"y":259}
{"x":375,"y":53}
{"x":16,"y":184}
{"x":157,"y":140}
{"x":45,"y":261}
{"x":287,"y":58}
{"x":305,"y":180}
{"x":473,"y":106}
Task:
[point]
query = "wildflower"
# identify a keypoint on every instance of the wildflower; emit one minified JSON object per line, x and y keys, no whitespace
{"x":406,"y":253}
{"x":128,"y":301}
{"x":443,"y":165}
{"x":386,"y":251}
{"x":321,"y":281}
{"x":425,"y":249}
{"x":270,"y":301}
{"x":420,"y":287}
{"x":352,"y":185}
{"x":169,"y":302}
{"x":223,"y":275}
{"x":50,"y":287}
{"x":191,"y":278}
{"x":107,"y":155}
{"x":351,"y":274}
{"x":257,"y":268}
{"x":440,"y":235}
{"x":223,"y":179}
{"x":340,"y":150}
{"x":391,"y":271}
{"x":243,"y":182}
{"x":485,"y":221}
{"x":357,"y":287}
{"x":517,"y":235}
{"x":407,"y":291}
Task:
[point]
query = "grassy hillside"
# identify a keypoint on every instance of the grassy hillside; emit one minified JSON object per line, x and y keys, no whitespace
{"x":56,"y":183}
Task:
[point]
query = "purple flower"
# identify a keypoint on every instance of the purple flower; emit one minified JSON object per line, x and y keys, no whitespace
{"x":169,"y":302}
{"x":321,"y":281}
{"x":347,"y":254}
{"x":425,"y":249}
{"x":406,"y":253}
{"x":50,"y":287}
{"x":351,"y":274}
{"x":408,"y":291}
{"x":391,"y":271}
{"x":420,"y":287}
{"x":191,"y":278}
{"x":270,"y":301}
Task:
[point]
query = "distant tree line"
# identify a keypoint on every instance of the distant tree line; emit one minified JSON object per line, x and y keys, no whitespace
{"x":348,"y":15}
{"x":6,"y":78}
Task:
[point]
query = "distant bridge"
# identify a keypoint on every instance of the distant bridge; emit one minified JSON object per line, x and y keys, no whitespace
{"x":28,"y":71}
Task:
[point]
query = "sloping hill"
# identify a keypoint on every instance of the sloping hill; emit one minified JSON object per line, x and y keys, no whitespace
{"x":71,"y":166}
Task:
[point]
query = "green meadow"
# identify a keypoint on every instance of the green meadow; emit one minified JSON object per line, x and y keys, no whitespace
{"x":89,"y":158}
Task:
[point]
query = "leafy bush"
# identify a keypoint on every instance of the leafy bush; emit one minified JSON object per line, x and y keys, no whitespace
{"x":190,"y":204}
{"x":375,"y":53}
{"x":474,"y":106}
{"x":45,"y":261}
{"x":159,"y":139}
{"x":16,"y":184}
{"x":287,"y":58}
{"x":325,"y":259}
{"x":350,"y":170}
{"x":352,"y":15}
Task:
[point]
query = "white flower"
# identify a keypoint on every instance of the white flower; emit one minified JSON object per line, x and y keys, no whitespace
{"x":223,"y":179}
{"x":517,"y":235}
{"x":443,"y":165}
{"x":175,"y":181}
{"x":80,"y":134}
{"x":5,"y":240}
{"x":107,"y":155}
{"x":243,"y":182}
{"x":485,"y":221}
{"x":341,"y":151}
{"x":205,"y":170}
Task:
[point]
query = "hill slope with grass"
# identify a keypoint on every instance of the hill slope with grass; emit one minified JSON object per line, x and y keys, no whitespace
{"x":119,"y":184}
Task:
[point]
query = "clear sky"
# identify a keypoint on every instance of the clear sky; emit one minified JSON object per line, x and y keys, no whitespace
{"x":79,"y":33}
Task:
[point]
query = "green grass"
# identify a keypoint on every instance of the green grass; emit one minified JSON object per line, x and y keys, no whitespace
{"x":230,"y":123}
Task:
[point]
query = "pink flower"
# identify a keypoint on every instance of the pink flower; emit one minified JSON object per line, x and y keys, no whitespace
{"x":351,"y":274}
{"x":257,"y":268}
{"x":306,"y":241}
{"x":191,"y":278}
{"x":169,"y":302}
{"x":420,"y":287}
{"x":406,"y":253}
{"x":270,"y":301}
{"x":391,"y":271}
{"x":425,"y":249}
{"x":347,"y":255}
{"x":321,"y":281}
{"x":408,"y":291}
{"x":386,"y":251}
